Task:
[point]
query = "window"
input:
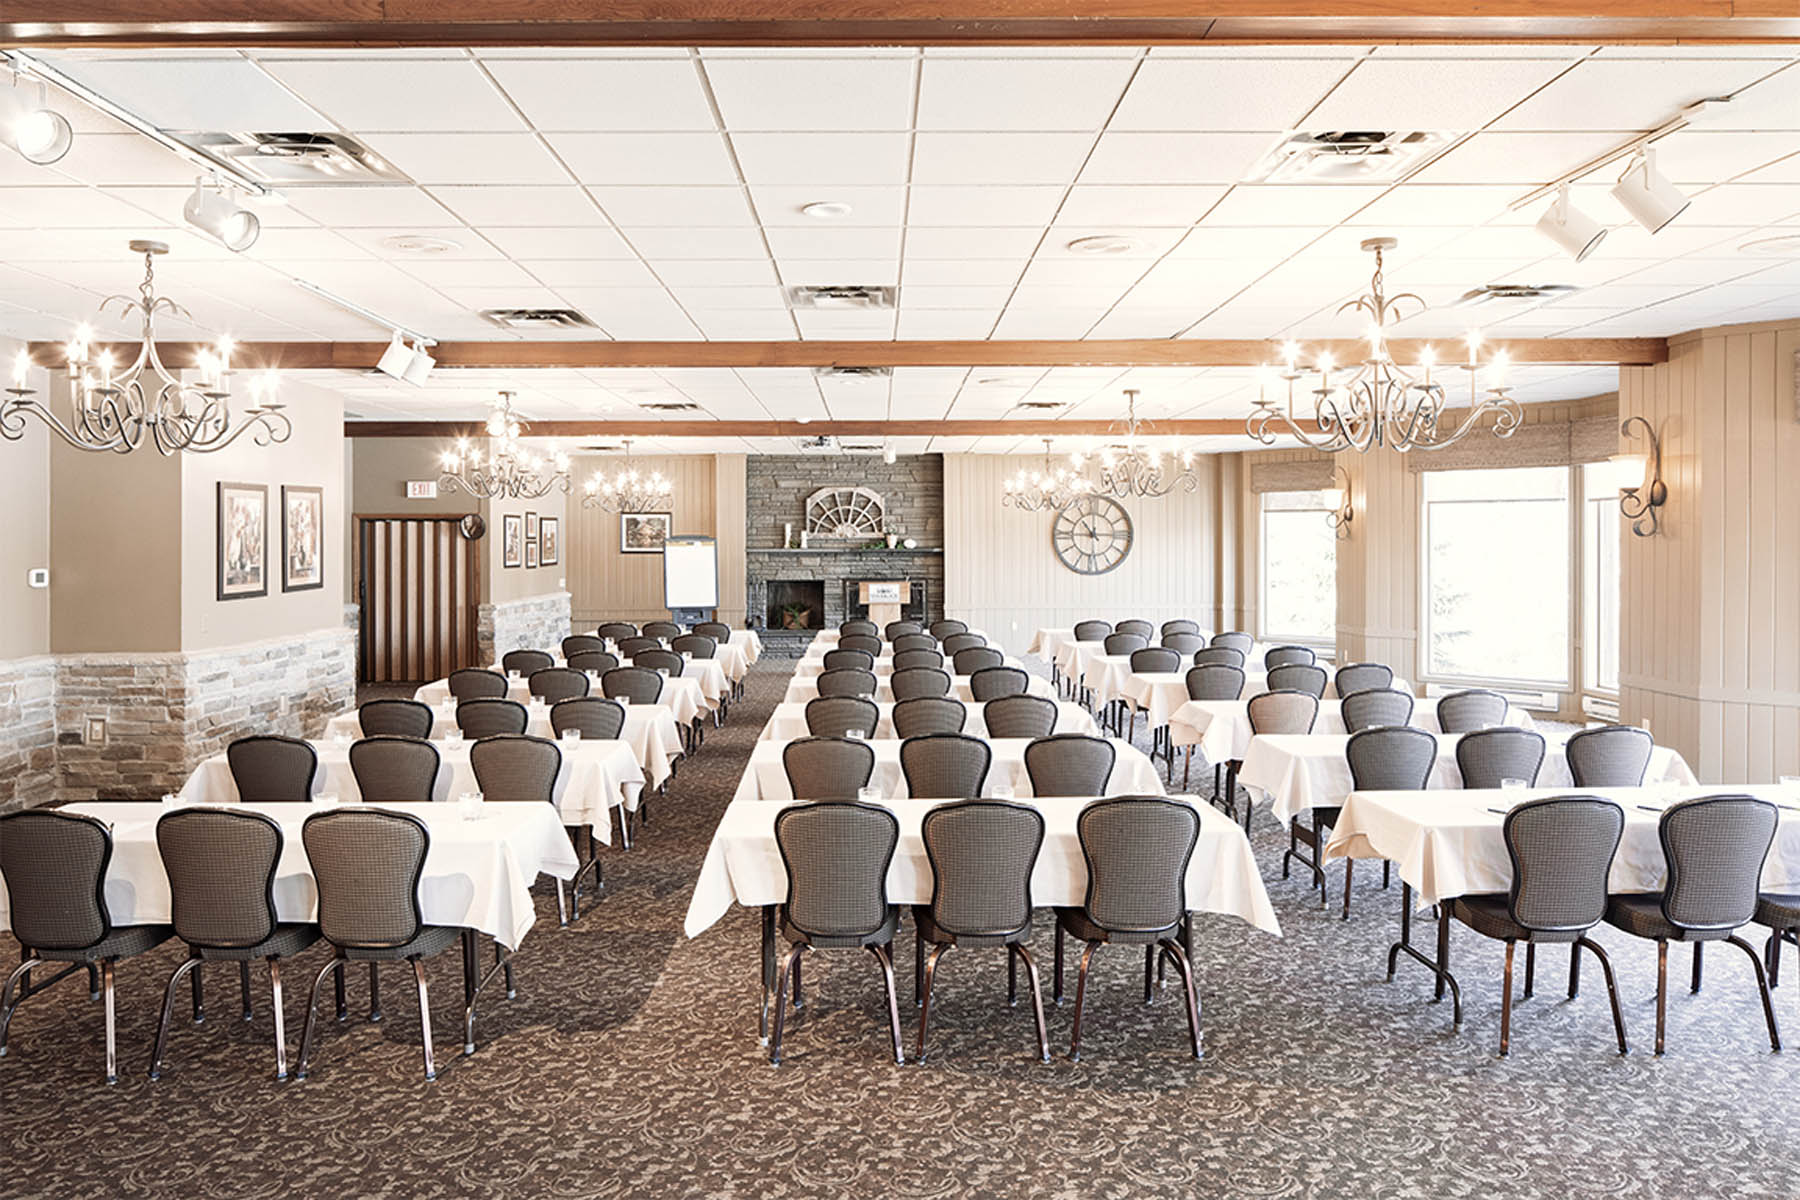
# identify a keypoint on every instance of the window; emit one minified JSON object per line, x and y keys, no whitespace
{"x":1601,"y":527}
{"x":1497,"y":575}
{"x":1299,"y":568}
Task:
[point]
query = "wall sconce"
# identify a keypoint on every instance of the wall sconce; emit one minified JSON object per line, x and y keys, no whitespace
{"x":1341,"y":513}
{"x":1640,"y":482}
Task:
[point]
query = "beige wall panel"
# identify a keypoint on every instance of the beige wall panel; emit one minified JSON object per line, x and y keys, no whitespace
{"x":605,"y":584}
{"x":25,"y":499}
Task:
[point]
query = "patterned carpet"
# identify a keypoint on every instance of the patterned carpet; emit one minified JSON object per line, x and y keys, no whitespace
{"x":628,"y":1066}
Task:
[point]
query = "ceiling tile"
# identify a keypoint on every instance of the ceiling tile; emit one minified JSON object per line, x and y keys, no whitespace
{"x":680,"y":206}
{"x":659,"y":159}
{"x":823,"y":243}
{"x":972,"y":243}
{"x":958,"y":272}
{"x":465,"y":158}
{"x":195,"y":93}
{"x":1418,"y":93}
{"x":1093,"y":204}
{"x":1004,"y":93}
{"x":775,"y":93}
{"x":658,"y":244}
{"x":716,"y":272}
{"x":580,"y":241}
{"x":1173,"y":157}
{"x":968,"y":158}
{"x":1269,"y":204}
{"x":812,"y":159}
{"x":366,"y":95}
{"x":1412,"y":205}
{"x":626,"y":96}
{"x":1270,"y":94}
{"x":503,"y":205}
{"x":777,"y":205}
{"x":1628,"y":94}
{"x":579,"y":272}
{"x":352,"y":207}
{"x":108,"y":158}
{"x":992,"y":205}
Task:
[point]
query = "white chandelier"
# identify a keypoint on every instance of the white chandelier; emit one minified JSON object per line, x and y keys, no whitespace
{"x":505,"y":469}
{"x":1052,"y":487}
{"x":1130,"y":469}
{"x":1378,"y":403}
{"x":630,"y":491}
{"x":118,"y":410}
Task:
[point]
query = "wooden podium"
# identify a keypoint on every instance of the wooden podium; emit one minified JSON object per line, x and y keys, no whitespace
{"x":884,"y":599}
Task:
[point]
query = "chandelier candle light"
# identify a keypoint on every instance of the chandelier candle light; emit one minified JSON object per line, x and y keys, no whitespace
{"x":629,"y":491}
{"x":116,"y":410}
{"x":1052,"y":487}
{"x":1377,"y":402}
{"x":1129,"y":469}
{"x":505,"y":469}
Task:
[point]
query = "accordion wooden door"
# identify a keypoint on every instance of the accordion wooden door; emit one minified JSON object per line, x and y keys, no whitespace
{"x":418,"y":580}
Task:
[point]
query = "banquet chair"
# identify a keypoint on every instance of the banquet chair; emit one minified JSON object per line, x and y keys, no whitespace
{"x":1360,"y":677}
{"x":221,"y":870}
{"x":1156,"y":660}
{"x":1021,"y":716}
{"x":895,"y":630}
{"x":851,"y":660}
{"x":1375,"y":707}
{"x":916,"y":643}
{"x":945,"y":766}
{"x":665,"y":631}
{"x":1281,"y":656}
{"x":1394,"y":758}
{"x":907,"y":659}
{"x":995,"y":683}
{"x":558,"y":683}
{"x":1714,"y":848}
{"x":982,"y":853}
{"x":958,"y":642}
{"x":597,"y":661}
{"x":695,"y":645}
{"x":827,"y":768}
{"x":394,"y":770}
{"x":581,"y":643}
{"x":491,"y":718}
{"x":1212,"y":681}
{"x":1124,"y":643}
{"x":1137,"y":625}
{"x":367,"y":864}
{"x":1609,"y":756}
{"x":639,"y":685}
{"x":943,"y":629}
{"x":836,"y":855}
{"x":858,"y":626}
{"x":396,"y":718}
{"x":476,"y":683}
{"x":836,"y":716}
{"x":525,"y":662}
{"x":1092,"y":631}
{"x":1181,"y":625}
{"x":1272,"y":712}
{"x":631,"y":647}
{"x":1219,"y":656}
{"x":1069,"y":764}
{"x":1561,"y":850}
{"x":517,"y":768}
{"x":929,"y":714}
{"x":918,"y":681}
{"x":1184,"y":644}
{"x":1236,"y":639}
{"x":594,"y":716}
{"x":1489,"y":757}
{"x":269,"y":769}
{"x":660,"y":660}
{"x":617,"y":631}
{"x":1781,"y":914}
{"x":718,"y":631}
{"x":868,"y":643}
{"x":977,"y":658}
{"x":1137,"y":850}
{"x":848,"y":683}
{"x":1297,"y":677}
{"x":1471,"y":709}
{"x":54,"y":865}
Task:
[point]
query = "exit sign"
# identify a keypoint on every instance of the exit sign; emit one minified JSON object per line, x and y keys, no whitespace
{"x":421,"y":489}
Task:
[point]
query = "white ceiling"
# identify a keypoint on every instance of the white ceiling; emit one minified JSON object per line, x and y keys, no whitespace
{"x":659,"y":192}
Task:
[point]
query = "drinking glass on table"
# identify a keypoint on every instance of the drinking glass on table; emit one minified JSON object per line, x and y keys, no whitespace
{"x":1510,"y":784}
{"x":171,"y":800}
{"x":570,"y":737}
{"x":453,"y":738}
{"x":867,"y":794}
{"x":326,"y":800}
{"x":513,"y":676}
{"x":469,"y":804}
{"x":856,"y":735}
{"x":1002,"y":790}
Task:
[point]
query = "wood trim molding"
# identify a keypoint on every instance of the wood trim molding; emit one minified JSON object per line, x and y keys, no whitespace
{"x":1162,"y":352}
{"x":854,"y":430}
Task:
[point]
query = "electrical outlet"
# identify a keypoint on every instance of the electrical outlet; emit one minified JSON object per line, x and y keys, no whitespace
{"x":94,"y":731}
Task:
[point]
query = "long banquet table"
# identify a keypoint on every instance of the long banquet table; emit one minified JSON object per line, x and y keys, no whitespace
{"x":683,"y":696}
{"x":800,"y":690}
{"x":788,"y":721}
{"x":1221,"y":728}
{"x":807,"y":668}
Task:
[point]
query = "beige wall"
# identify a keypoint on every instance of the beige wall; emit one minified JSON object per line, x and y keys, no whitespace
{"x":25,"y":499}
{"x":503,"y":584}
{"x":730,"y":501}
{"x":605,"y":584}
{"x":115,"y":558}
{"x":1710,"y":652}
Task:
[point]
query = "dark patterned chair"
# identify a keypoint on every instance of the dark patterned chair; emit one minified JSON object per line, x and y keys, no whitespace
{"x":827,"y":768}
{"x":1070,"y":764}
{"x":269,"y":769}
{"x":393,"y":770}
{"x":905,"y":660}
{"x":1236,"y":639}
{"x":479,"y":719}
{"x":1360,"y":677}
{"x":1282,"y":656}
{"x":639,"y":685}
{"x":525,"y":662}
{"x":847,"y":683}
{"x":848,"y":660}
{"x":1376,"y":707}
{"x":594,"y":717}
{"x":1019,"y":716}
{"x":1298,"y":677}
{"x":996,"y":683}
{"x":836,"y":716}
{"x":1487,"y":758}
{"x":1610,"y":756}
{"x":1219,"y":656}
{"x":945,"y":766}
{"x":919,"y":681}
{"x":582,"y":643}
{"x":474,"y":683}
{"x":929,"y":714}
{"x":977,"y":658}
{"x":394,"y":718}
{"x":1471,"y":709}
{"x":1384,"y":759}
{"x":559,"y":683}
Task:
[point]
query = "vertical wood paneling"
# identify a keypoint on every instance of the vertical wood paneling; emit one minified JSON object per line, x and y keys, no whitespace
{"x":730,"y":501}
{"x":417,"y":619}
{"x":605,"y":584}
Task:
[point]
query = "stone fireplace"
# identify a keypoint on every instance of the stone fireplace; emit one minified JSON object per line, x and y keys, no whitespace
{"x":784,"y":593}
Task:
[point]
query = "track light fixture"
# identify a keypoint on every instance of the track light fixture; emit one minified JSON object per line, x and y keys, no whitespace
{"x":410,"y":363}
{"x":1574,"y":232}
{"x":1647,"y":194}
{"x":29,"y":126}
{"x":212,"y":210}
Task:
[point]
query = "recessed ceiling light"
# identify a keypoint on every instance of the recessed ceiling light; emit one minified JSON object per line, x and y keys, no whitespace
{"x":1786,"y":245}
{"x":419,"y":244}
{"x":1103,"y":244}
{"x":826,"y":210}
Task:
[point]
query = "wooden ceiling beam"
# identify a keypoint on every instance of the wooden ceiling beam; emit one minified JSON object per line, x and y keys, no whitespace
{"x":1163,"y":352}
{"x":848,"y":430}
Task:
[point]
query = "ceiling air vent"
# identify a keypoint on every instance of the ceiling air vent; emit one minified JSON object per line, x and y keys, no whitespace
{"x":1040,"y":405}
{"x":671,"y":406}
{"x":861,"y":447}
{"x":822,"y":444}
{"x":1514,"y":293}
{"x":1348,"y":156}
{"x":291,"y":158}
{"x":852,"y":375}
{"x":841,"y":297}
{"x":537,"y":318}
{"x":603,"y":448}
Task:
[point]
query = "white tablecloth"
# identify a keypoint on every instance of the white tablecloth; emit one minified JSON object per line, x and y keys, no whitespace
{"x":744,"y":866}
{"x":1221,"y":728}
{"x":682,"y":697}
{"x":1046,"y":642}
{"x":765,"y":778}
{"x":748,"y":643}
{"x":596,"y":777}
{"x":827,"y":639}
{"x":1303,"y":771}
{"x":1451,"y":845}
{"x":478,"y":874}
{"x":649,"y":728}
{"x":807,"y":668}
{"x":789,"y":721}
{"x":800,"y":690}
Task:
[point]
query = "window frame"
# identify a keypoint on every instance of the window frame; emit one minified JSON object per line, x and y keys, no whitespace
{"x":1324,"y":642}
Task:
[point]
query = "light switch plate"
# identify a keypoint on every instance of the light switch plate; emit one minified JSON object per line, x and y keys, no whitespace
{"x":37,"y":577}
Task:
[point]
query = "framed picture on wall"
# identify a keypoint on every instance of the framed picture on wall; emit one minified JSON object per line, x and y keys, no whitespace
{"x":549,"y":539}
{"x":512,"y":540}
{"x":243,"y":540}
{"x":531,"y":526}
{"x":302,"y":538}
{"x":643,"y":533}
{"x":531,"y":553}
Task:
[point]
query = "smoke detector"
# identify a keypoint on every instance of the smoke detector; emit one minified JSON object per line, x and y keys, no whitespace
{"x":841,"y":297}
{"x":1348,"y":156}
{"x":536,"y":318}
{"x":419,"y":245}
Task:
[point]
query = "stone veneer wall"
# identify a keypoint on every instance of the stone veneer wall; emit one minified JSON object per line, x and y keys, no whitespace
{"x":534,"y":623}
{"x":27,"y":732}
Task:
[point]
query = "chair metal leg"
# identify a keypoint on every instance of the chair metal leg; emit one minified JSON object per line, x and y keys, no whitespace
{"x":918,"y":966}
{"x":937,"y":952}
{"x":1662,"y":992}
{"x":21,"y":977}
{"x":1056,"y":978}
{"x":1149,"y":973}
{"x":1530,"y":966}
{"x":884,"y":956}
{"x":112,"y":1047}
{"x":781,"y":980}
{"x":1762,"y":989}
{"x":343,"y":1008}
{"x":374,"y":993}
{"x":1349,"y":868}
{"x":191,"y":963}
{"x":424,"y":1018}
{"x":1772,"y":957}
{"x":1177,"y":953}
{"x":1698,"y":947}
{"x":199,"y":997}
{"x":502,"y":962}
{"x":1081,"y":977}
{"x":1506,"y":999}
{"x":1012,"y":981}
{"x":244,"y":985}
{"x":1575,"y":968}
{"x":799,"y":998}
{"x":280,"y":1018}
{"x":562,"y":906}
{"x":1612,"y":990}
{"x":1037,"y":1001}
{"x":312,"y":1007}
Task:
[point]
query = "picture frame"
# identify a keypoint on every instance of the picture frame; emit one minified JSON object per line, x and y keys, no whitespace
{"x":531,"y":526}
{"x":531,"y":555}
{"x":644,"y":532}
{"x":512,"y":540}
{"x":242,"y":556}
{"x":549,"y":541}
{"x":302,"y":538}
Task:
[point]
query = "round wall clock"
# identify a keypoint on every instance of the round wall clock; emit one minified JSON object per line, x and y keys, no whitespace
{"x":1091,"y":534}
{"x":473,"y":526}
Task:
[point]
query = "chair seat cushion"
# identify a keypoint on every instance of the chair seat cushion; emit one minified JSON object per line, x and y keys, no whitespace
{"x":1778,"y":912}
{"x":1642,"y":916}
{"x":850,"y":941}
{"x":1488,"y":915}
{"x":433,"y":939}
{"x":936,"y":934}
{"x":285,"y":942}
{"x":123,"y":942}
{"x":1075,"y":921}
